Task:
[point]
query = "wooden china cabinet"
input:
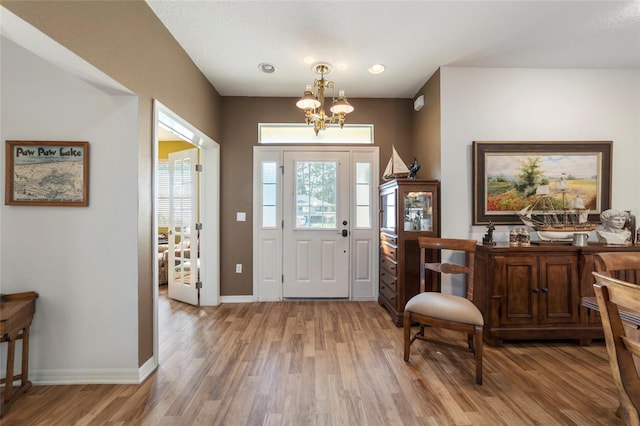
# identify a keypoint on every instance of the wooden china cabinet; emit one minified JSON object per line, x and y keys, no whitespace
{"x":409,"y":208}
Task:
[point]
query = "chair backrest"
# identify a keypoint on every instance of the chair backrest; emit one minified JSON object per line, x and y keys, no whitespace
{"x":623,"y":265}
{"x":433,"y":243}
{"x":613,"y":296}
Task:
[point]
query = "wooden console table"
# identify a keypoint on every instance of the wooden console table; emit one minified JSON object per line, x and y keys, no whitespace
{"x":531,"y":293}
{"x":16,"y":314}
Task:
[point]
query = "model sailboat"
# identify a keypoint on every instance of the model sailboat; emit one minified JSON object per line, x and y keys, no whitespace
{"x":396,"y":168}
{"x":551,"y":223}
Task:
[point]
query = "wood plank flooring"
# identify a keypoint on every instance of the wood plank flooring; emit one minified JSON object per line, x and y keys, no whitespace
{"x":330,"y":363}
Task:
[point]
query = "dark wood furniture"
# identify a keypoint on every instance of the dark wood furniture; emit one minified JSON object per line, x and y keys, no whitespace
{"x":530,"y":293}
{"x":16,"y":314}
{"x":409,"y":208}
{"x":438,"y":310}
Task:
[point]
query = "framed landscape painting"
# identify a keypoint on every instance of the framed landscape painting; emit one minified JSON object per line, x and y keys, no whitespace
{"x":507,"y":177}
{"x":43,"y":173}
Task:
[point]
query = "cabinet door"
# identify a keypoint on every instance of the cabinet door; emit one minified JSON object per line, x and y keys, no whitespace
{"x":559,"y":285}
{"x":388,"y":210}
{"x":516,"y":284}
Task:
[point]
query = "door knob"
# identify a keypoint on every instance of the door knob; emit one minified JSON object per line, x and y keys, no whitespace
{"x":345,"y":233}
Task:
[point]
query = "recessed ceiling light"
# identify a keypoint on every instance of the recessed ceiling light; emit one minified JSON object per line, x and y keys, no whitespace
{"x":309,"y":60}
{"x":377,"y":68}
{"x":267,"y":68}
{"x":341,"y":66}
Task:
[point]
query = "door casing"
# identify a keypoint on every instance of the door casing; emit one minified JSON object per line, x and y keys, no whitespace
{"x":209,"y":214}
{"x":267,"y":242}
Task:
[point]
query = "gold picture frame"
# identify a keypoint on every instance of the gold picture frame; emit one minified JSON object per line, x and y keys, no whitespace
{"x":47,"y":173}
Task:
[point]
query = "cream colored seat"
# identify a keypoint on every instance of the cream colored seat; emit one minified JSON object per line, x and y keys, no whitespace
{"x":447,"y":311}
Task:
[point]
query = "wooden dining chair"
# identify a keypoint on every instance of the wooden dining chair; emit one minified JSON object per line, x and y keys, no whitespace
{"x":623,"y":265}
{"x":435,"y":309}
{"x":614,"y":296}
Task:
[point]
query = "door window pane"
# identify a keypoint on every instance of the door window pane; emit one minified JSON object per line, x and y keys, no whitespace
{"x":363,"y":195}
{"x":182,"y":193}
{"x":316,"y":189}
{"x":269,"y":204}
{"x":162,"y":187}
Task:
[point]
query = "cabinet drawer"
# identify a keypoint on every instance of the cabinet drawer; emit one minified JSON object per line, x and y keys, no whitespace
{"x":388,"y":293}
{"x":388,"y":279}
{"x":391,"y":239}
{"x":389,"y":251}
{"x":389,"y":264}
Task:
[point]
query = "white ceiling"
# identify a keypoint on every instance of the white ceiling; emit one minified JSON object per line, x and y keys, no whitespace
{"x":228,"y":39}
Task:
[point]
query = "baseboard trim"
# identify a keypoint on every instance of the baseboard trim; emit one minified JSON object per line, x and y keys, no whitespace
{"x":147,"y":369}
{"x":250,"y":299}
{"x":132,"y":376}
{"x":237,"y":299}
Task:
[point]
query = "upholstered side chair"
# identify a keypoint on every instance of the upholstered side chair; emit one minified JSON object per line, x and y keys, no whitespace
{"x":435,"y":309}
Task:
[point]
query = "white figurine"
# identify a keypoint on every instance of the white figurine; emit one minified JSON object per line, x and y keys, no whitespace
{"x":612,"y":229}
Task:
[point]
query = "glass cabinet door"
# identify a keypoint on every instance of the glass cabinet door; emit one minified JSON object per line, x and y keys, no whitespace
{"x":389,"y":210}
{"x":418,"y":211}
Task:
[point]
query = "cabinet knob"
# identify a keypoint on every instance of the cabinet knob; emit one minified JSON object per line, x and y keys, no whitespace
{"x":545,"y":290}
{"x":535,"y":290}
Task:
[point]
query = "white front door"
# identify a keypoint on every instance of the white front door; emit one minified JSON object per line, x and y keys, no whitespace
{"x":184,"y":262}
{"x":316,"y":228}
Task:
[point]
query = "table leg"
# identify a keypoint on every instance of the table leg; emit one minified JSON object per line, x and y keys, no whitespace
{"x":11,"y":351}
{"x":24,"y":372}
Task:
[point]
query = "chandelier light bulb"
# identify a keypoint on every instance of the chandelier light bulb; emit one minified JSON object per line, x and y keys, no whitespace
{"x":341,"y":106}
{"x":308,"y":101}
{"x":313,"y":103}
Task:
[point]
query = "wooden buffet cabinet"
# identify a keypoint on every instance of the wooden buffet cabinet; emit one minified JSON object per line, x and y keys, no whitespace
{"x":530,"y":293}
{"x":409,"y":208}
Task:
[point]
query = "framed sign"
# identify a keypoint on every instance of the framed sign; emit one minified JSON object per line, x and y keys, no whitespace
{"x":506,"y":177}
{"x":43,"y":173}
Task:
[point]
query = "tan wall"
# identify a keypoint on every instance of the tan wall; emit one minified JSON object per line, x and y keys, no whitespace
{"x":392,"y":125}
{"x":426,"y":130}
{"x":126,"y":40}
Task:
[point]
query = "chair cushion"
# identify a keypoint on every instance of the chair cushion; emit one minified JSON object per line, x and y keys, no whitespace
{"x":445,"y":306}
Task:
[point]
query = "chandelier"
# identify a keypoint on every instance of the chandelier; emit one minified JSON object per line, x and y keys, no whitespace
{"x":312,"y":102}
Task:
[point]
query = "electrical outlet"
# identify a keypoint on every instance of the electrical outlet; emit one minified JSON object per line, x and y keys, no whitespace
{"x":238,"y":268}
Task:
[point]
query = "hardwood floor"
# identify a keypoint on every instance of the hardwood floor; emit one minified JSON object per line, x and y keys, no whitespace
{"x":331,"y":363}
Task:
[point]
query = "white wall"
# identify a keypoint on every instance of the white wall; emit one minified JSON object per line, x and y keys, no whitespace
{"x":496,"y":104}
{"x":81,"y":260}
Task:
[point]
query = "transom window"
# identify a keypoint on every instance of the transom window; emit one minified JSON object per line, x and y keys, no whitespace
{"x":295,"y":133}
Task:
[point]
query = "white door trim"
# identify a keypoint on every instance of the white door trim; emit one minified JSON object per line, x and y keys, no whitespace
{"x":209,"y":213}
{"x":267,"y":271}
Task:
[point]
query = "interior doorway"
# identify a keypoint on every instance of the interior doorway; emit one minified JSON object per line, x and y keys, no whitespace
{"x":170,"y":126}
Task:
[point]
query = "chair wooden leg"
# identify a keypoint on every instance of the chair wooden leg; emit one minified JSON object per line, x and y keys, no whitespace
{"x":407,"y":334}
{"x":478,"y":346}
